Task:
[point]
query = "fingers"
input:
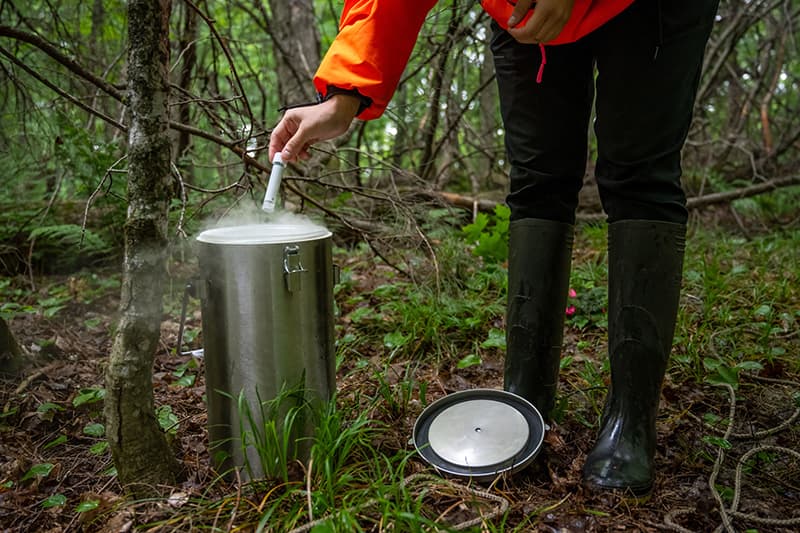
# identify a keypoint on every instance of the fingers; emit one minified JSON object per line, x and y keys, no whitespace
{"x":290,"y":138}
{"x":520,"y":10}
{"x":302,"y":127}
{"x":304,"y":152}
{"x":549,"y":18}
{"x":281,"y":135}
{"x":297,"y":147}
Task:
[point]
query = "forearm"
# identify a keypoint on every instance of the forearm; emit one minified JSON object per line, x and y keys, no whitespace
{"x":370,"y":52}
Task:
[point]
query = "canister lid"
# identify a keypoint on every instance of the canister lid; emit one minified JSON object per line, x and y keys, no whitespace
{"x":479,"y":433}
{"x":263,"y":234}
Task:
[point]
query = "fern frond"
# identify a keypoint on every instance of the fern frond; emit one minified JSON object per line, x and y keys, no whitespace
{"x":71,"y":236}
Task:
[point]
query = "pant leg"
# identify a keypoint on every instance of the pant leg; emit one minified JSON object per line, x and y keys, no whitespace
{"x":649,"y":60}
{"x":546,"y":124}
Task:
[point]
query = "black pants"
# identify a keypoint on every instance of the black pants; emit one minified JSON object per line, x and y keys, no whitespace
{"x":648,"y":63}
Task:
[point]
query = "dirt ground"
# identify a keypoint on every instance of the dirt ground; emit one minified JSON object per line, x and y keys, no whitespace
{"x":72,"y":346}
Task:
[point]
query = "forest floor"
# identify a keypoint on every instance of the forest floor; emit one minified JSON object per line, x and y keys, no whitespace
{"x":56,"y":473}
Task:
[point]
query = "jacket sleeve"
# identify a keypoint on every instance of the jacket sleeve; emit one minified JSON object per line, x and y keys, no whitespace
{"x":371,"y":50}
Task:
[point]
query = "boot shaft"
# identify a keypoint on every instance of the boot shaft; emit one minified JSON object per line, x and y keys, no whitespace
{"x":540,"y":252}
{"x":645,"y":264}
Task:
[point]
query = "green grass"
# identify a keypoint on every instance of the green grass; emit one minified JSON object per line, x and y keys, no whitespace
{"x":739,"y":314}
{"x":740,"y":302}
{"x":347,"y":484}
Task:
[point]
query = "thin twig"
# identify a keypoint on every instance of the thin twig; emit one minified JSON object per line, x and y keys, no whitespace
{"x":231,"y":63}
{"x":56,"y":54}
{"x":184,"y":200}
{"x":95,"y":193}
{"x":47,"y":83}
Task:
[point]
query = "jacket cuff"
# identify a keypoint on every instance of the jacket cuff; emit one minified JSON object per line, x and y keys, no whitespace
{"x":333,"y":90}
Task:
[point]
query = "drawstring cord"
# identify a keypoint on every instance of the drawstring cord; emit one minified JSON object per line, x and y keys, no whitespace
{"x":541,"y":65}
{"x":660,"y":33}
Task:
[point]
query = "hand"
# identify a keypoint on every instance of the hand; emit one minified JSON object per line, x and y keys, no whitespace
{"x":547,"y":21}
{"x":303,"y":126}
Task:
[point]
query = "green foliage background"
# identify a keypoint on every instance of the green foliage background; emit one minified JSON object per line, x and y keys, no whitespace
{"x":441,"y":132}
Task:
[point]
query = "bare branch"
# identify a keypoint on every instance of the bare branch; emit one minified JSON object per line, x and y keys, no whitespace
{"x":89,"y":109}
{"x":744,"y":192}
{"x":94,"y":194}
{"x":56,"y":54}
{"x":231,"y":64}
{"x":697,"y":202}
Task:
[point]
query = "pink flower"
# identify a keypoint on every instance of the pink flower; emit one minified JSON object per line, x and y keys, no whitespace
{"x":572,"y":293}
{"x":570,"y":310}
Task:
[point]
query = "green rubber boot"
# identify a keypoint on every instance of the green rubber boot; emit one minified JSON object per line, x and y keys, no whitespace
{"x":540,"y":252}
{"x":644,"y":277}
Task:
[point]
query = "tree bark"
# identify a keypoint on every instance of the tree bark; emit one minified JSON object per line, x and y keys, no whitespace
{"x":188,"y":49}
{"x":142,"y":456}
{"x":295,"y":32}
{"x":11,"y":360}
{"x":488,"y":120}
{"x":440,"y":77}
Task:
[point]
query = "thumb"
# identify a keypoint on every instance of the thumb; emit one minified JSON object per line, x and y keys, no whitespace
{"x":294,"y":146}
{"x":520,"y":9}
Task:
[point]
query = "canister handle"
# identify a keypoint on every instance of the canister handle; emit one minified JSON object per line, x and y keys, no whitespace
{"x":195,"y":289}
{"x":292,"y":268}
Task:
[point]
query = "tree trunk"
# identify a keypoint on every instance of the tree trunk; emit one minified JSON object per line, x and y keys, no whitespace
{"x":141,"y":453}
{"x":295,"y":32}
{"x":399,"y":148}
{"x":188,"y":49}
{"x":440,"y":77}
{"x":11,"y":360}
{"x":488,"y":121}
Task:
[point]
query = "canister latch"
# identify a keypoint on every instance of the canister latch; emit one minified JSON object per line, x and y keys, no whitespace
{"x":292,"y":268}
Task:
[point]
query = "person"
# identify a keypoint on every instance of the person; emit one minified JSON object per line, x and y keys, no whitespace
{"x":647,"y":56}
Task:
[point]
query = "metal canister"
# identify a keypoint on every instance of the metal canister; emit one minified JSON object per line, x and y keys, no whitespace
{"x":266,"y":292}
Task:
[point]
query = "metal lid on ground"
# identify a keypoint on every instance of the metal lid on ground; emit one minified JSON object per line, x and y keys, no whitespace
{"x":275,"y":233}
{"x":479,"y":433}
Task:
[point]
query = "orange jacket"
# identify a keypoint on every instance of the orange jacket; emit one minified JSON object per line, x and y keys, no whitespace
{"x":376,"y":38}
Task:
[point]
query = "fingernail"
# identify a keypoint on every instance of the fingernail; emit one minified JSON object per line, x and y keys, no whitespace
{"x":512,"y":21}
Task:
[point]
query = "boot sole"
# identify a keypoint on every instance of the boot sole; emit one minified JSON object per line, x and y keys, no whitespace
{"x":631,"y":494}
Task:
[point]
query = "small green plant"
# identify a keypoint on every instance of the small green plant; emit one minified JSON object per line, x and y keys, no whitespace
{"x":89,"y":396}
{"x":738,"y":305}
{"x":94,"y":429}
{"x":489,"y":235}
{"x":55,"y":500}
{"x":273,"y":431}
{"x":86,"y":506}
{"x":61,"y":439}
{"x":41,"y":470}
{"x":167,"y":420}
{"x":468,"y":361}
{"x":97,"y":431}
{"x":726,"y":493}
{"x":396,"y":398}
{"x":719,"y":372}
{"x":587,"y":305}
{"x":496,"y":338}
{"x":593,"y":392}
{"x":185,"y":377}
{"x":340,"y":451}
{"x":443,"y":323}
{"x":48,"y":410}
{"x":9,"y":310}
